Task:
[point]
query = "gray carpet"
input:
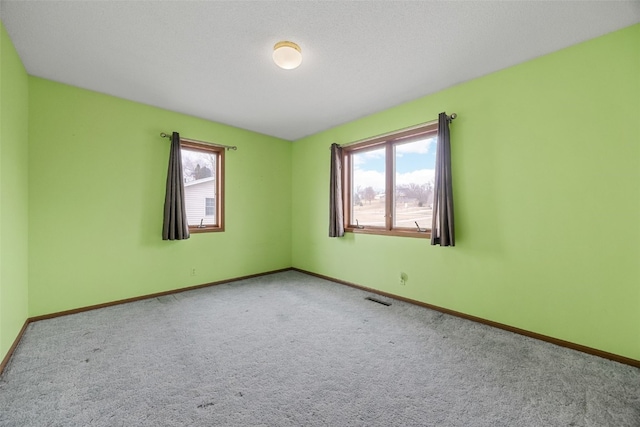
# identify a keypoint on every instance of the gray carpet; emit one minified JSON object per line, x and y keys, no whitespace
{"x":293,"y":350}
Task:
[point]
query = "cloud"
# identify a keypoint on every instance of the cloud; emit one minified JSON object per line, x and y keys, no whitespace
{"x":421,"y":176}
{"x":364,"y":179}
{"x":418,"y":147}
{"x":361,"y":158}
{"x":375,"y":179}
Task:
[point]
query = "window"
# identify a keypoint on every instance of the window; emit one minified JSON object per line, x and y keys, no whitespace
{"x":389,"y":183}
{"x":209,"y":206}
{"x":203,"y":174}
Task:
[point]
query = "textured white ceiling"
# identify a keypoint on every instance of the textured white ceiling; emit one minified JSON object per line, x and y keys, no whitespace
{"x":212,"y":59}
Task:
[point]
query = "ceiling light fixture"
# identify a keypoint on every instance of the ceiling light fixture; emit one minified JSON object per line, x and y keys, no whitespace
{"x":287,"y":55}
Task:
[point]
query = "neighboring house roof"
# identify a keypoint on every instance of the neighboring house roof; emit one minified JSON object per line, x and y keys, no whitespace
{"x":199,"y":181}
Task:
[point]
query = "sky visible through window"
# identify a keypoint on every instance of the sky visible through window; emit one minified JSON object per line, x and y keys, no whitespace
{"x":415,"y":163}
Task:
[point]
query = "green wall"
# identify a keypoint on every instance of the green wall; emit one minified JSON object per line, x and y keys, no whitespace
{"x":97,"y":171}
{"x":546,"y":170}
{"x":13,"y":194}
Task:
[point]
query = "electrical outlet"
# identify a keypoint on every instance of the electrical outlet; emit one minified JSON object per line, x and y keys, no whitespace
{"x":403,"y":278}
{"x":193,"y":271}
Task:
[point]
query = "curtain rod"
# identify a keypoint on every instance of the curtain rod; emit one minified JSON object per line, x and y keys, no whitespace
{"x":432,"y":122}
{"x":228,"y":147}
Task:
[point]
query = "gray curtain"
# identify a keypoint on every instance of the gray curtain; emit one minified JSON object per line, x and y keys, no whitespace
{"x":336,"y":217}
{"x":175,"y":226}
{"x":442,"y":229}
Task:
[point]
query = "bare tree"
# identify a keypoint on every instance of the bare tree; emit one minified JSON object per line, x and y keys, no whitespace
{"x":357,"y":196}
{"x":422,"y":193}
{"x":369,"y":194}
{"x":197,"y":165}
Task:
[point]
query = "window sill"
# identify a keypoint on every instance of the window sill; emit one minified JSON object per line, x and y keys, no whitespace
{"x":206,"y":229}
{"x":383,"y":232}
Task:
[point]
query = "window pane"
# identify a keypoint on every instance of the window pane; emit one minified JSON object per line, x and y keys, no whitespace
{"x":209,"y":206}
{"x":199,"y":172}
{"x":367,"y":201}
{"x":415,"y":164}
